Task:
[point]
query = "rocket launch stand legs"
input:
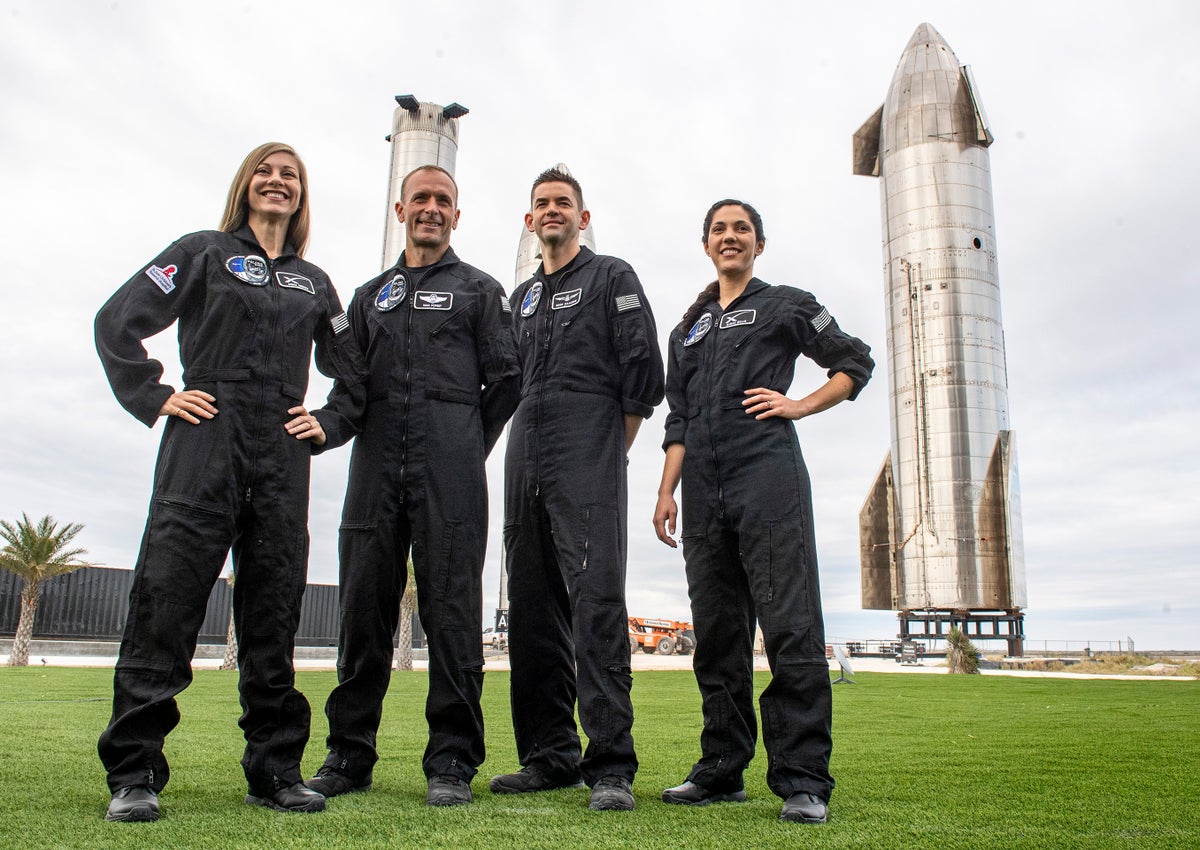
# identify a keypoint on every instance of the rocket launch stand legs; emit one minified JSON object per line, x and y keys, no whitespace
{"x":1007,"y":625}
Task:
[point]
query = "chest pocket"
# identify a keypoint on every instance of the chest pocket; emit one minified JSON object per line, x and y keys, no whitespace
{"x":752,"y":355}
{"x":450,"y":360}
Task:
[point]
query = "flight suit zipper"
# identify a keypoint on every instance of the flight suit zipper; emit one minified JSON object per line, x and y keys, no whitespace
{"x":272,"y":321}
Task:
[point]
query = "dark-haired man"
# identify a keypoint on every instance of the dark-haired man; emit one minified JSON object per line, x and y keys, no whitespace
{"x":591,"y":372}
{"x":442,"y":382}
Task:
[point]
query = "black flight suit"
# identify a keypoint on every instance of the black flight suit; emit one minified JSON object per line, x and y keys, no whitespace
{"x":246,"y":332}
{"x":747,"y":533}
{"x":589,"y":356}
{"x":442,"y":382}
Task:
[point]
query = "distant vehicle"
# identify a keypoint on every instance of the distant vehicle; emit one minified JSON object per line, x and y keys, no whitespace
{"x":666,"y":637}
{"x":493,"y":639}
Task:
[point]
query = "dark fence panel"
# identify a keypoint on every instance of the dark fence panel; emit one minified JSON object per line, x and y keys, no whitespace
{"x":91,"y":604}
{"x":88,"y":604}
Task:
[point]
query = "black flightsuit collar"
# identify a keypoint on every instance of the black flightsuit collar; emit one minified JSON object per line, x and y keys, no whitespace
{"x":448,"y":258}
{"x":584,"y":257}
{"x":247,"y":235}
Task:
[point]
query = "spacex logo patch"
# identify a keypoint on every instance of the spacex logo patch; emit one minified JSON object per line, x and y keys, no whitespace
{"x":738,"y":317}
{"x":291,"y":280}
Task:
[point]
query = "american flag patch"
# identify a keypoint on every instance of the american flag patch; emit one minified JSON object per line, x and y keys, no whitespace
{"x":628,"y":302}
{"x":821,"y":321}
{"x":340,"y":323}
{"x":504,"y":305}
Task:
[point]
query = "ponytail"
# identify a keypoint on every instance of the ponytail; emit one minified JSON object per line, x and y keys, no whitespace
{"x":693,"y":313}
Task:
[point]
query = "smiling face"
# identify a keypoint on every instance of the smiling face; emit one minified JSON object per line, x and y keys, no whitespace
{"x":275,"y":189}
{"x":732,"y":242}
{"x":556,"y":215}
{"x":428,"y":209}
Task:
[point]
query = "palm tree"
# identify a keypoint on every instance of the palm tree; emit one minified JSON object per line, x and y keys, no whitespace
{"x":36,"y":553}
{"x":408,"y":608}
{"x":230,"y":660}
{"x":961,"y":655}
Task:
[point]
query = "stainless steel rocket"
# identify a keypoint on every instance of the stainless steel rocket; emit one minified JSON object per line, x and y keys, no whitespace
{"x":422,"y":134}
{"x":940,"y":530}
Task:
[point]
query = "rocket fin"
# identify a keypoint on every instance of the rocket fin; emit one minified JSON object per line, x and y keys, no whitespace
{"x":999,"y":523}
{"x":877,"y":542}
{"x":983,"y":131}
{"x":866,"y":145}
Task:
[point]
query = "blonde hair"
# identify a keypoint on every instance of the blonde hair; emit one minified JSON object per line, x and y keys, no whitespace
{"x":237,"y":204}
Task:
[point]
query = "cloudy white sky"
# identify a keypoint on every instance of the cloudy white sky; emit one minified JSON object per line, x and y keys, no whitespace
{"x":124,"y":121}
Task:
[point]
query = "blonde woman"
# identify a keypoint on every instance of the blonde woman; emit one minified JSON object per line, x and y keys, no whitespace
{"x":232,"y":475}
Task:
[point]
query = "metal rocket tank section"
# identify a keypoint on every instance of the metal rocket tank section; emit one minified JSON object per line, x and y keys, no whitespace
{"x":422,"y":134}
{"x":940,"y":530}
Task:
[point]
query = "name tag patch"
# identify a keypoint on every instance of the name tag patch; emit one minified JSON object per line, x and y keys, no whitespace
{"x":532,"y":298}
{"x":433,"y":300}
{"x":291,"y":280}
{"x":251,"y":269}
{"x":738,"y":317}
{"x":703,"y":326}
{"x":163,"y":276}
{"x":563,"y":300}
{"x":392,"y":294}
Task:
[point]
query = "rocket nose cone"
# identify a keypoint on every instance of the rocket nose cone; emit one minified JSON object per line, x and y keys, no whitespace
{"x":925,"y":51}
{"x":925,"y":34}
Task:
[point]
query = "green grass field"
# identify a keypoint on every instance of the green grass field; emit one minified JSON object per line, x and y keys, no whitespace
{"x":920,"y":761}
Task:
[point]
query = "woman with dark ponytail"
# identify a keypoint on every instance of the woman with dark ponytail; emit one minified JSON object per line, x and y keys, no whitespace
{"x":747,"y":531}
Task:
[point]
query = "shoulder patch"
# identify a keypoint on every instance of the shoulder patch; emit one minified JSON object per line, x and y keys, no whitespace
{"x":163,"y":276}
{"x":433,"y":300}
{"x":703,"y":326}
{"x":504,"y":305}
{"x":340,"y":324}
{"x":738,"y":317}
{"x":292,"y":280}
{"x":628,"y":302}
{"x":563,"y":300}
{"x":821,"y":321}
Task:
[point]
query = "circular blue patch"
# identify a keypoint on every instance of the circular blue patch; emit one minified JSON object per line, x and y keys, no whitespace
{"x":392,"y":294}
{"x":703,"y":326}
{"x":532,"y":298}
{"x":249,"y":269}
